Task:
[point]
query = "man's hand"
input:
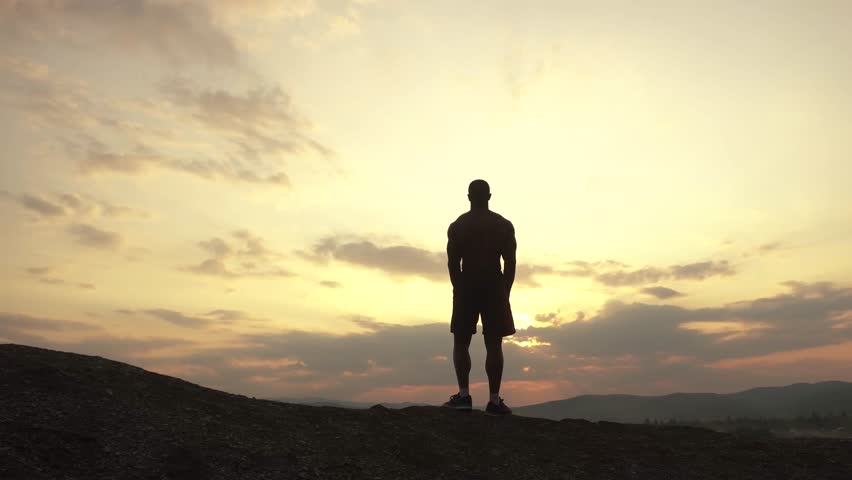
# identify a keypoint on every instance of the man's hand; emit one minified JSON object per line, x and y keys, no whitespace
{"x":509,"y":260}
{"x":453,"y":258}
{"x":508,"y":275}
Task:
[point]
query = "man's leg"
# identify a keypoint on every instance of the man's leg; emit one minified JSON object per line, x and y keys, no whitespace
{"x":461,"y":359}
{"x":494,"y":362}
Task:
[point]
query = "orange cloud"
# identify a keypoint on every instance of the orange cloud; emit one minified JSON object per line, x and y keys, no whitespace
{"x":840,"y":353}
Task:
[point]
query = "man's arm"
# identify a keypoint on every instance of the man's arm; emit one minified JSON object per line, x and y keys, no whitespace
{"x":509,"y":260}
{"x":453,"y":257}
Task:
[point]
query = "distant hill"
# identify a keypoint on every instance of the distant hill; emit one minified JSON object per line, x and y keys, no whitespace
{"x":327,"y":402}
{"x":73,"y":417}
{"x":800,"y":399}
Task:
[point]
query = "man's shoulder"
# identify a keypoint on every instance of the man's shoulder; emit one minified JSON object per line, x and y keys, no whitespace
{"x":491,"y":216}
{"x":457,"y":223}
{"x":501,"y":219}
{"x":461,"y":219}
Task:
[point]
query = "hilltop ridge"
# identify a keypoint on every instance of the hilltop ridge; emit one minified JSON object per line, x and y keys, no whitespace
{"x":64,"y":415}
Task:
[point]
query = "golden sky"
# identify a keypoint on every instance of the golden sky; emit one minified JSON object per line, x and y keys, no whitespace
{"x":254,"y":195}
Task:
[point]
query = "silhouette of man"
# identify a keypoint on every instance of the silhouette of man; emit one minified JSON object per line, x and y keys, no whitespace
{"x":475,"y":243}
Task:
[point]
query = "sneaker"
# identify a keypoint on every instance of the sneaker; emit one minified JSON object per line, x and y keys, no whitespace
{"x":501,"y":409}
{"x":459,"y":403}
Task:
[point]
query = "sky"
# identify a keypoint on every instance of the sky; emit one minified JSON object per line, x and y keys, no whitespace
{"x":254,"y":195}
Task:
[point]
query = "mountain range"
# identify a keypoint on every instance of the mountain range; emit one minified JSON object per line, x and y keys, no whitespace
{"x":799,"y":399}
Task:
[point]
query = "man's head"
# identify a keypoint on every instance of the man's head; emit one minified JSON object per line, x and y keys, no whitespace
{"x":478,"y":192}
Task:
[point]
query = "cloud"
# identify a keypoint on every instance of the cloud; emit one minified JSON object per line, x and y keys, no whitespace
{"x":661,"y":292}
{"x":558,"y":318}
{"x":260,"y":121}
{"x":65,"y":206}
{"x":767,"y":249}
{"x":275,"y":8}
{"x":207,"y":319}
{"x":247,"y":254}
{"x":254,"y":246}
{"x":216,"y":247}
{"x":799,"y":318}
{"x":626,"y":348}
{"x":692,"y":271}
{"x":701,"y":270}
{"x":46,"y":98}
{"x":47,"y":276}
{"x":41,"y":206}
{"x":525,"y":274}
{"x":89,"y":236}
{"x":18,"y":322}
{"x":240,"y":138}
{"x":212,"y":266}
{"x":176,"y":318}
{"x":143,"y":159}
{"x":330,"y":284}
{"x":226,"y":316}
{"x":633,"y":348}
{"x":406,"y":260}
{"x":179,"y":32}
{"x":138,"y":162}
{"x":36,"y":331}
{"x":620,"y":278}
{"x":250,"y":133}
{"x":402,"y":260}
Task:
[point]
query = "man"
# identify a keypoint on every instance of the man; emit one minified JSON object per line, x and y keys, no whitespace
{"x":475,"y":243}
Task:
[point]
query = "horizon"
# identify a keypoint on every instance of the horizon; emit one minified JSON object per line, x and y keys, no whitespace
{"x":483,"y":401}
{"x":315,"y":399}
{"x":254,"y":196}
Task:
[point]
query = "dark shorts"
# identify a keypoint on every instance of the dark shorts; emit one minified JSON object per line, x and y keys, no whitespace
{"x":487,"y":298}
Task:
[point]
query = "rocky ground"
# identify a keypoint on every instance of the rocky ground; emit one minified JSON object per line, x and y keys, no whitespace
{"x":69,"y":416}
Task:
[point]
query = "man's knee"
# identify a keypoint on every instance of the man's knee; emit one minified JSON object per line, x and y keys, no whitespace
{"x":462,"y":339}
{"x":493,"y":343}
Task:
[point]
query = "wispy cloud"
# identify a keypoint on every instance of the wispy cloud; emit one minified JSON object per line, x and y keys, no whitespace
{"x":261,"y":121}
{"x":409,"y":260}
{"x":65,"y":206}
{"x":621,"y":277}
{"x":661,"y":292}
{"x":177,"y":32}
{"x":209,"y":319}
{"x":48,"y":276}
{"x":21,"y":322}
{"x":394,"y":259}
{"x":143,"y":160}
{"x":245,"y":254}
{"x":93,"y":237}
{"x":177,"y":318}
{"x":242,"y":138}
